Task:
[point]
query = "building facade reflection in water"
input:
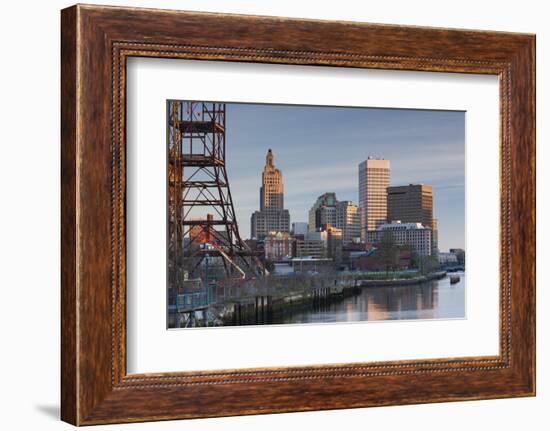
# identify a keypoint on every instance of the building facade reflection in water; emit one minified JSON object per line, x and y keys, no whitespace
{"x":438,"y":299}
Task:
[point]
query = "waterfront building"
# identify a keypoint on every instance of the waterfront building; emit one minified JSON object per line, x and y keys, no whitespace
{"x":311,"y":248}
{"x":272,"y":217}
{"x":460,"y":255}
{"x":413,"y":234}
{"x":374,"y":179}
{"x":370,"y":261}
{"x":312,"y":264}
{"x":344,"y":215}
{"x":325,"y":242}
{"x":413,"y":203}
{"x":448,"y":258}
{"x":313,"y":245}
{"x":278,"y":246}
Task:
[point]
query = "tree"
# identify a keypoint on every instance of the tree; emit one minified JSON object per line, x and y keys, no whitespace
{"x":460,"y":256}
{"x":428,"y":264}
{"x":414,"y":258}
{"x":388,"y":252}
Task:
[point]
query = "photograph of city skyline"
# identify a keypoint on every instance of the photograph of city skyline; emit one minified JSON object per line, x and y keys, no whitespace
{"x":295,"y":214}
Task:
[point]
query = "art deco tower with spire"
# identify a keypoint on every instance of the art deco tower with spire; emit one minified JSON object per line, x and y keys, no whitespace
{"x":272,"y":216}
{"x":272,"y":189}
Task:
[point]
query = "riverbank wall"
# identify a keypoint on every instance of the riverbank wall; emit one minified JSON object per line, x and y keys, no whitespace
{"x":402,"y":281}
{"x":266,"y":309}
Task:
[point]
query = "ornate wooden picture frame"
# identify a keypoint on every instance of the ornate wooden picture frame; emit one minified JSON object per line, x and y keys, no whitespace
{"x":96,"y":41}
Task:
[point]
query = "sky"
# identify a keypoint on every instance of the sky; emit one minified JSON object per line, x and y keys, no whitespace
{"x":318,"y":150}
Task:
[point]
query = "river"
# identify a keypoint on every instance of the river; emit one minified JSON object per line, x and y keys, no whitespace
{"x":437,"y":299}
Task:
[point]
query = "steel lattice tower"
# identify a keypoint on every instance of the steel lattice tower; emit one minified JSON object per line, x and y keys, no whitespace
{"x":198,"y":183}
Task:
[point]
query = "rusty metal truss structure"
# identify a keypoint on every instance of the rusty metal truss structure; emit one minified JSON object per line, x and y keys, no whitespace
{"x":201,"y":215}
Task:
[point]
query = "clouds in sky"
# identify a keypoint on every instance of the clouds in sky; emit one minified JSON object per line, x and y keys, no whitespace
{"x":318,"y":150}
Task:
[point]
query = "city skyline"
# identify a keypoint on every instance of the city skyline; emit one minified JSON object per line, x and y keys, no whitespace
{"x":416,"y":142}
{"x":322,"y":164}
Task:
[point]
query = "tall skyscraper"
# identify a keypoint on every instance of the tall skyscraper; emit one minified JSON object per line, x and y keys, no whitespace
{"x":374,"y":179}
{"x":344,"y":215}
{"x":272,"y":189}
{"x":413,"y":204}
{"x":272,"y":216}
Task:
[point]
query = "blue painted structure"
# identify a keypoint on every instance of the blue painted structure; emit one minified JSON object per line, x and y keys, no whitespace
{"x":187,"y":302}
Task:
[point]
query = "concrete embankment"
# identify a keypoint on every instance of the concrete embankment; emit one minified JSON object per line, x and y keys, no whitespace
{"x":267,"y":309}
{"x":270,"y":308}
{"x":402,"y":281}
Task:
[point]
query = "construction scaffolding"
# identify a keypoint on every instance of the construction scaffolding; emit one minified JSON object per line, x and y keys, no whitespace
{"x":201,"y":216}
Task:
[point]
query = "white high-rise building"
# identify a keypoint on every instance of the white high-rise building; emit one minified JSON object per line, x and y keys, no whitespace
{"x":413,"y":234}
{"x":374,"y":179}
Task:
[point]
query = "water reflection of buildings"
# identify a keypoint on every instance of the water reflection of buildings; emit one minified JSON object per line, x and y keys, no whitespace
{"x":383,"y":303}
{"x":438,"y":299}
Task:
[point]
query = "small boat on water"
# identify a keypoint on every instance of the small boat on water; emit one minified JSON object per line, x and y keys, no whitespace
{"x":454,"y":279}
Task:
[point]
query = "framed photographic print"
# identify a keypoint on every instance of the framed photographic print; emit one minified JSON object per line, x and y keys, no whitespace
{"x":319,"y":214}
